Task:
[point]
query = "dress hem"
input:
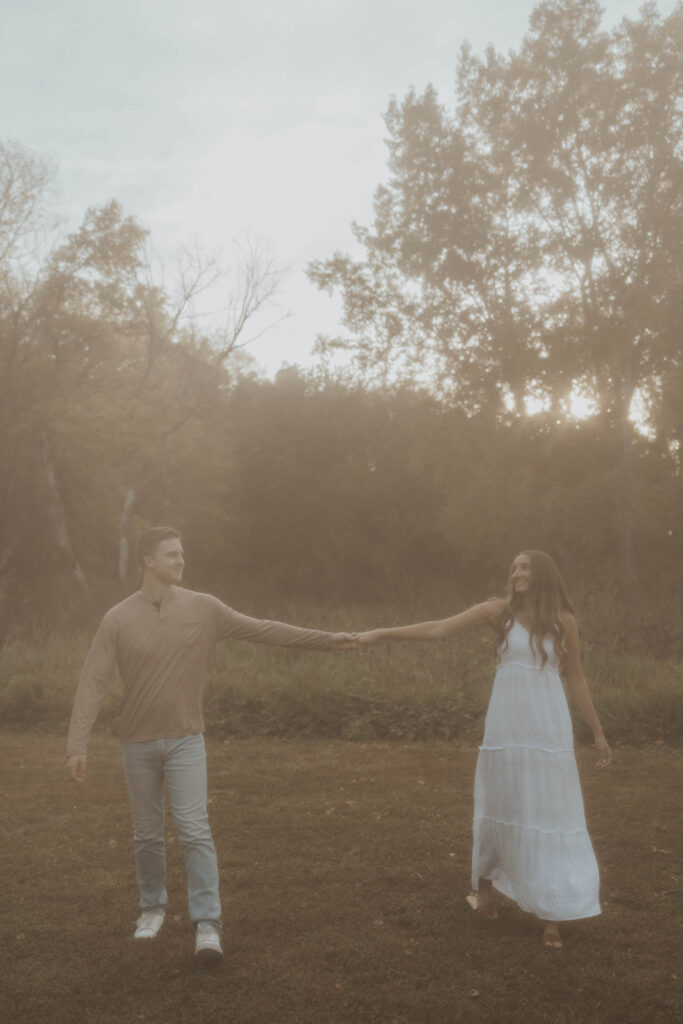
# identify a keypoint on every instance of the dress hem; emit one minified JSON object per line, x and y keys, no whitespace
{"x":527,"y":746}
{"x":542,"y":915}
{"x":533,"y":828}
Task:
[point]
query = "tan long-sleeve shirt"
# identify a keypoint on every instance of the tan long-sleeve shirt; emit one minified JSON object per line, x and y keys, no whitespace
{"x":163,"y":653}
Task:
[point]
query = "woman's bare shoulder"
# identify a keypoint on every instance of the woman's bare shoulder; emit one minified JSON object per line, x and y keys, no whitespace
{"x":569,"y":623}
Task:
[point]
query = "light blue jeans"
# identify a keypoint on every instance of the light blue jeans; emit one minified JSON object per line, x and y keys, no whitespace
{"x":180,"y":764}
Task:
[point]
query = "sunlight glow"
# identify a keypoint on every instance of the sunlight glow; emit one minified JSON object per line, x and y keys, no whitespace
{"x":536,"y":403}
{"x":581,"y":405}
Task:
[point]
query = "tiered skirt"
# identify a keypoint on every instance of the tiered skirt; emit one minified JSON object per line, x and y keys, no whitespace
{"x":530,"y":834}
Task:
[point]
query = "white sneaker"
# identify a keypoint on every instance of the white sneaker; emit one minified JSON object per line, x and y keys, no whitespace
{"x":149,"y":923}
{"x":207,"y":944}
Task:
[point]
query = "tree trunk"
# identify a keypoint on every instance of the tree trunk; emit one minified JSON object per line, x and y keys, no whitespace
{"x":58,"y":517}
{"x":129,"y":500}
{"x":626,"y":516}
{"x":626,"y":512}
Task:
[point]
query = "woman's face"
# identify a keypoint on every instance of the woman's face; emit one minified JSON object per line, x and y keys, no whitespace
{"x":520,"y":574}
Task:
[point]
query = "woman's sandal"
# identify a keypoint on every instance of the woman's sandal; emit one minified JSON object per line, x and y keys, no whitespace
{"x":551,"y":939}
{"x":488,"y":910}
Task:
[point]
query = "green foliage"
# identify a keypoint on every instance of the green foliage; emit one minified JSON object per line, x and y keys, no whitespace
{"x":334,"y":490}
{"x":639,"y":698}
{"x":38,"y":677}
{"x":429,"y":693}
{"x":390,"y":692}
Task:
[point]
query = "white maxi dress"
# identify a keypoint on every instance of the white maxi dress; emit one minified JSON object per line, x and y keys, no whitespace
{"x":530,"y":833}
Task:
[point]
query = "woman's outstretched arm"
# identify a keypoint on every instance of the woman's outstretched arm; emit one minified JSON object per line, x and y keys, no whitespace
{"x":486,"y":614}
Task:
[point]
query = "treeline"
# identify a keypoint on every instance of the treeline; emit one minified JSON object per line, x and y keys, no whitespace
{"x":526,"y":255}
{"x":320,"y":492}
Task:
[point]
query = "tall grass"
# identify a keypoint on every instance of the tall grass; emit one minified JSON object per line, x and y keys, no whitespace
{"x":38,"y":680}
{"x":396,"y":690}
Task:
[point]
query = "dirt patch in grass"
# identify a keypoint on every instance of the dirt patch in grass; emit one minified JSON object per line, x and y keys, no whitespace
{"x":344,"y":868}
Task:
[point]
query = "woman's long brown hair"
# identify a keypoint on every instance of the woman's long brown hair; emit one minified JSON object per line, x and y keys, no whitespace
{"x":547,"y":599}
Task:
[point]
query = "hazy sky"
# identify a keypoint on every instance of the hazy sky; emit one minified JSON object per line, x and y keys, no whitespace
{"x":215,"y":116}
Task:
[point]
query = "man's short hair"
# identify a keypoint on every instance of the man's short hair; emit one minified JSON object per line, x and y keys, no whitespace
{"x":150,"y":540}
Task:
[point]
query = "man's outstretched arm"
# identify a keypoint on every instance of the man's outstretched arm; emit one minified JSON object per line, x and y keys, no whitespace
{"x":236,"y":626}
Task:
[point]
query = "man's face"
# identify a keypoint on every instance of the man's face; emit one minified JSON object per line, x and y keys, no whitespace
{"x":167,"y":561}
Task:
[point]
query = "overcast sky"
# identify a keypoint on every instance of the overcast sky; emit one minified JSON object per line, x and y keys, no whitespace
{"x":215,"y":116}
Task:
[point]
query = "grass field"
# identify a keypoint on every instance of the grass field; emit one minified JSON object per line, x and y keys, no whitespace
{"x":344,"y":869}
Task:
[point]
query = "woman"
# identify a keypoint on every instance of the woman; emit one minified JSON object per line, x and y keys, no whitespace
{"x":530,"y":838}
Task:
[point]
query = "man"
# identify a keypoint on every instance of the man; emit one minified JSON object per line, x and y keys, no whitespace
{"x":161,"y":638}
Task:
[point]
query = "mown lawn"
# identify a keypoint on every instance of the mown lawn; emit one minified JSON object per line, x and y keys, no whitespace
{"x":344,"y":871}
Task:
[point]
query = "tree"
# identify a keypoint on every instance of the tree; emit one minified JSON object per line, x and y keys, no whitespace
{"x":527,"y":246}
{"x":25,"y":219}
{"x":104,"y":376}
{"x":186,"y":369}
{"x":130,"y":359}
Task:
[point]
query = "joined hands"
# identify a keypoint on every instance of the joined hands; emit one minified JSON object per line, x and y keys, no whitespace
{"x":353,"y":641}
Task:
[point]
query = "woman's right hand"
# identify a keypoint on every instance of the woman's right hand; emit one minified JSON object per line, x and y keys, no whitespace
{"x":604,"y":752}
